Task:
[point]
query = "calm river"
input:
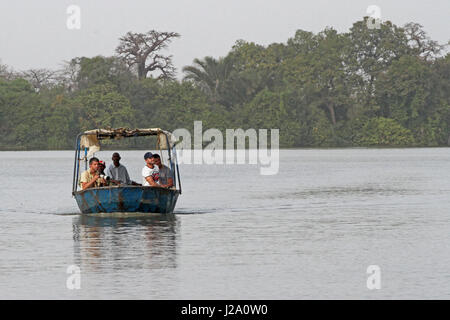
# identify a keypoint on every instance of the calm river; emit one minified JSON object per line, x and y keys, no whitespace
{"x":311,"y":231}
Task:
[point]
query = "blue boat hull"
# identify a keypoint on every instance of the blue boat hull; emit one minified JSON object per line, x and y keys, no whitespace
{"x":127,"y":199}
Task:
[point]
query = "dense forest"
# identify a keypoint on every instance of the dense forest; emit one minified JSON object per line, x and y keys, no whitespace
{"x":367,"y":87}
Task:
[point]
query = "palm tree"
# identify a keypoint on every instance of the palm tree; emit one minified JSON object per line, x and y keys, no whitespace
{"x":210,"y":75}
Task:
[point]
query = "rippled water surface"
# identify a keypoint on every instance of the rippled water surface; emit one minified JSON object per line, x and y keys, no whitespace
{"x":310,"y":231}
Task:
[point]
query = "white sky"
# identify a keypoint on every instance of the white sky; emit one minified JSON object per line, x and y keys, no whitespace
{"x":33,"y":34}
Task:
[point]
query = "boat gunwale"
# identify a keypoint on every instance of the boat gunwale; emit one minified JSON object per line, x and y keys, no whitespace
{"x":126,"y":187}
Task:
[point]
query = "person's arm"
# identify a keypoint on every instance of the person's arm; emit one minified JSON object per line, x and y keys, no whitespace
{"x":89,"y":184}
{"x":169,"y":183}
{"x":169,"y":179}
{"x":127,"y":177}
{"x":110,"y":175}
{"x":151,"y":181}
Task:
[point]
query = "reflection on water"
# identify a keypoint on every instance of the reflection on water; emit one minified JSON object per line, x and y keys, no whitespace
{"x":130,"y":241}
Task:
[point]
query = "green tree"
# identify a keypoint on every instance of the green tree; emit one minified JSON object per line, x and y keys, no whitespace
{"x":384,"y":132}
{"x":256,"y":68}
{"x":61,"y":124}
{"x":100,"y":70}
{"x":371,"y":51}
{"x":101,"y":107}
{"x":210,"y":76}
{"x":20,"y":114}
{"x":321,"y":75}
{"x":409,"y":93}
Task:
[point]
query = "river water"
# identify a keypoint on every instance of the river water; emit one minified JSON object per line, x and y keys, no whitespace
{"x":311,"y":231}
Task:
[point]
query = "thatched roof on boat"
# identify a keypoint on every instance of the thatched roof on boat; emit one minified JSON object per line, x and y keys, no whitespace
{"x":91,"y":139}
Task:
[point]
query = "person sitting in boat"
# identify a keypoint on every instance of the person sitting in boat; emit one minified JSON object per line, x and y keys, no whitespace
{"x":101,"y":167}
{"x":118,"y":172}
{"x":165,"y":173}
{"x":150,"y":173}
{"x":91,"y":177}
{"x":103,"y":175}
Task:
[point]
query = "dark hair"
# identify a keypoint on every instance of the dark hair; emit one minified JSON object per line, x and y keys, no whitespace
{"x":93,"y":159}
{"x":156,"y":156}
{"x":148,"y":155}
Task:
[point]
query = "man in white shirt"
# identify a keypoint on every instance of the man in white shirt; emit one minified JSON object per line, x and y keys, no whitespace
{"x":150,"y":173}
{"x":117,"y":172}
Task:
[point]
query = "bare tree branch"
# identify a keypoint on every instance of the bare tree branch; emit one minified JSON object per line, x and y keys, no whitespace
{"x":40,"y":77}
{"x":140,"y":50}
{"x":421,"y":42}
{"x":7,"y":73}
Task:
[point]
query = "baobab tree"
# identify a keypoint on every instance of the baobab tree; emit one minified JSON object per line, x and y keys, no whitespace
{"x":141,"y":51}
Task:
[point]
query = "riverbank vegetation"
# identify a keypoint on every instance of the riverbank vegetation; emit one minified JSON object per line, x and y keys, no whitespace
{"x":365,"y":87}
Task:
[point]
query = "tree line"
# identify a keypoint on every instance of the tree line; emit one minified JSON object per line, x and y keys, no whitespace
{"x":387,"y":86}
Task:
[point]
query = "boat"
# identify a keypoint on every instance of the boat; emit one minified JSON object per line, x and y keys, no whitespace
{"x":125,"y":198}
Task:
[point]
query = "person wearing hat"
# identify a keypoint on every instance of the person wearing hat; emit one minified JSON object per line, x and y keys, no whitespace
{"x":150,"y":173}
{"x":101,"y":172}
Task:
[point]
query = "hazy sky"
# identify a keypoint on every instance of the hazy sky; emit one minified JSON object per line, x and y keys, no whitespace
{"x":33,"y":34}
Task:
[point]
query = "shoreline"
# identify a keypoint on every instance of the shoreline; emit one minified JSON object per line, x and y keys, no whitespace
{"x":286,"y":148}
